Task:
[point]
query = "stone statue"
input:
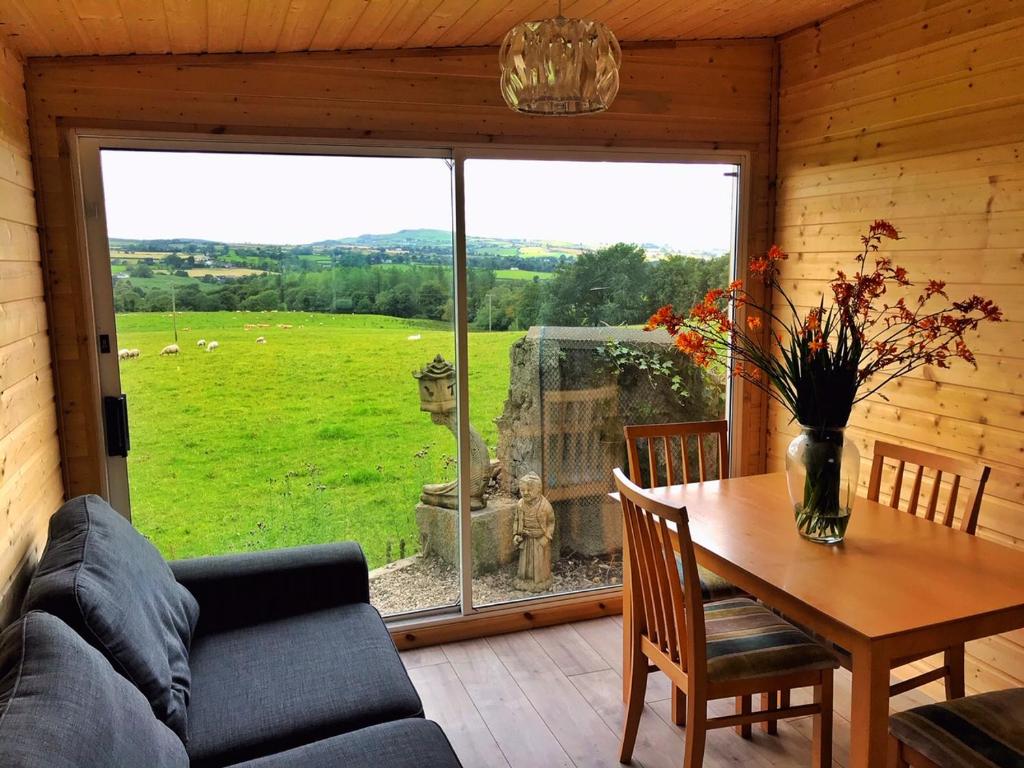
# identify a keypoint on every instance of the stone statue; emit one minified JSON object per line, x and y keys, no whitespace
{"x":437,"y":397}
{"x":532,"y":531}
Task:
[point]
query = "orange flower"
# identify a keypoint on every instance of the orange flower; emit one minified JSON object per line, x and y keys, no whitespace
{"x":816,"y":345}
{"x":767,"y":265}
{"x":735,"y":285}
{"x":694,"y":344}
{"x":883,"y":228}
{"x":813,"y":321}
{"x":665,"y":318}
{"x":754,"y":322}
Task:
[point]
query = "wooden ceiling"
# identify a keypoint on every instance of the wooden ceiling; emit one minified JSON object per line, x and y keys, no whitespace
{"x":86,"y":27}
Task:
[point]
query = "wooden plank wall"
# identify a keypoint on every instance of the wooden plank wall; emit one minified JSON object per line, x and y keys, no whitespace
{"x":914,"y":111}
{"x":677,"y":95}
{"x":30,"y":473}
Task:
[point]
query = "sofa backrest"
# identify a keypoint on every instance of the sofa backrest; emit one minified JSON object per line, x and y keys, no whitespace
{"x":108,"y":583}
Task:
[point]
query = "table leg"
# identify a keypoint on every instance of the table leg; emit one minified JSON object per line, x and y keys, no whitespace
{"x":869,"y":716}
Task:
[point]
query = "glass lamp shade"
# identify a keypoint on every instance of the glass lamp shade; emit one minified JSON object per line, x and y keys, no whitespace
{"x":560,"y":66}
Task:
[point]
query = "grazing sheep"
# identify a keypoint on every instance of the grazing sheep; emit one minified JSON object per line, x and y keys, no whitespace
{"x":414,"y":337}
{"x":123,"y":354}
{"x":261,"y":339}
{"x":285,"y":326}
{"x":170,"y":349}
{"x":262,"y":325}
{"x":201,"y":343}
{"x":133,"y":353}
{"x":212,"y":346}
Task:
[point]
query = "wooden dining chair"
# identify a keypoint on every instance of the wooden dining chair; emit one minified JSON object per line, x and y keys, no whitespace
{"x":683,"y":452}
{"x":940,"y":470}
{"x":982,"y":731}
{"x":676,"y":452}
{"x":723,"y":649}
{"x":679,"y":453}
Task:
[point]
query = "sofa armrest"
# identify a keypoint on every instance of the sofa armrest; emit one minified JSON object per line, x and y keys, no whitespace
{"x":253,"y":587}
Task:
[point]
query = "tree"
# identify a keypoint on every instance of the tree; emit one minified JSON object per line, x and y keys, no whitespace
{"x":397,"y":302}
{"x":683,"y":280}
{"x":158,"y":300}
{"x":606,"y":286}
{"x":431,"y":301}
{"x":262,"y":301}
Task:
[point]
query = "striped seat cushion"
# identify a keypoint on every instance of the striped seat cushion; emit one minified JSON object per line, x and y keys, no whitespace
{"x":712,"y":586}
{"x":745,"y":640}
{"x":984,"y":731}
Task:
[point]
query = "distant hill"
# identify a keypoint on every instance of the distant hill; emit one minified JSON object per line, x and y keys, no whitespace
{"x":411,"y":240}
{"x":168,"y":245}
{"x":437,"y":238}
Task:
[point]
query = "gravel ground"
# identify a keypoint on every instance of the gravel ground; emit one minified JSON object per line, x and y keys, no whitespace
{"x":424,"y":582}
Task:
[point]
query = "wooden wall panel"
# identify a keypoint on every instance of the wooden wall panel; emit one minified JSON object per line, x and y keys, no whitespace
{"x":913,"y":112}
{"x":699,"y":96}
{"x":31,"y":486}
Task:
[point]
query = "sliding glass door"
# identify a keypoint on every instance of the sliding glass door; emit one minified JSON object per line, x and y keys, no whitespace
{"x":572,"y":257}
{"x":284,"y":334}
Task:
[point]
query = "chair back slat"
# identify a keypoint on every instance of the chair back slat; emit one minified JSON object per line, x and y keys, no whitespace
{"x":670,"y":616}
{"x":666,"y":447}
{"x":652,"y":461}
{"x":933,"y":498}
{"x":652,"y":435}
{"x":915,"y":491}
{"x":940,"y":466}
{"x":675,"y":598}
{"x":897,"y":487}
{"x":651,"y":558}
{"x":951,"y":503}
{"x":640,"y":592}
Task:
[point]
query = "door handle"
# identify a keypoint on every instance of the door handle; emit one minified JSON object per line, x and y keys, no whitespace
{"x":115,"y":423}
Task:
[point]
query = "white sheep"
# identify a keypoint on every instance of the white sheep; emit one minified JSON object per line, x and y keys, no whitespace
{"x":133,"y":353}
{"x":212,"y":346}
{"x":261,"y":339}
{"x":201,"y":343}
{"x":170,"y":349}
{"x":123,"y":354}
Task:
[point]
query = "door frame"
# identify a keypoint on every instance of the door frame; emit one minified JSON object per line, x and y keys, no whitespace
{"x":85,"y":146}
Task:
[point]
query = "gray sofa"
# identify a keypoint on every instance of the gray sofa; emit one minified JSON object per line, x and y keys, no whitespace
{"x":263,"y":660}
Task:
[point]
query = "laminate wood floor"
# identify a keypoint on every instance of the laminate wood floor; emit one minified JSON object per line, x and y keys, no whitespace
{"x":551,"y":697}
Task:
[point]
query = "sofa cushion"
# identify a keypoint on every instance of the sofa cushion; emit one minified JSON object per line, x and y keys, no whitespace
{"x":63,"y":706}
{"x":269,"y":687}
{"x":106,"y":581}
{"x":399,"y":744}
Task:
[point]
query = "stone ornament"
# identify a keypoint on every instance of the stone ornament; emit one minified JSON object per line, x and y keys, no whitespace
{"x":532,"y":532}
{"x":437,"y":397}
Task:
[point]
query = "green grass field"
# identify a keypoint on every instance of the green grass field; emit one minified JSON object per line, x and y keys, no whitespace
{"x":315,"y":436}
{"x":521,"y":274}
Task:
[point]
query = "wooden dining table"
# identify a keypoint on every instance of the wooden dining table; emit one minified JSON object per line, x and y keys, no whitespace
{"x":898,"y":586}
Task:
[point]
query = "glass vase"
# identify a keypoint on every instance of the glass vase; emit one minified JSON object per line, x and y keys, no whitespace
{"x":821,"y":471}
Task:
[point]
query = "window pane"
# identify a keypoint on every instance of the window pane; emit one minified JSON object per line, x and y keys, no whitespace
{"x":300,"y":294}
{"x":567,"y":260}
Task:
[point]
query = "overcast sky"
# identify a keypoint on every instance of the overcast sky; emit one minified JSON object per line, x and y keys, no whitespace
{"x":291,"y":199}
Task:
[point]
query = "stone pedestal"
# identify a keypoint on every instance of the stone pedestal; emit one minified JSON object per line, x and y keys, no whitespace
{"x":492,"y":545}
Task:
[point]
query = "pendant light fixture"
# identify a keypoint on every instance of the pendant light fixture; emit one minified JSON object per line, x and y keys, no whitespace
{"x":560,"y":66}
